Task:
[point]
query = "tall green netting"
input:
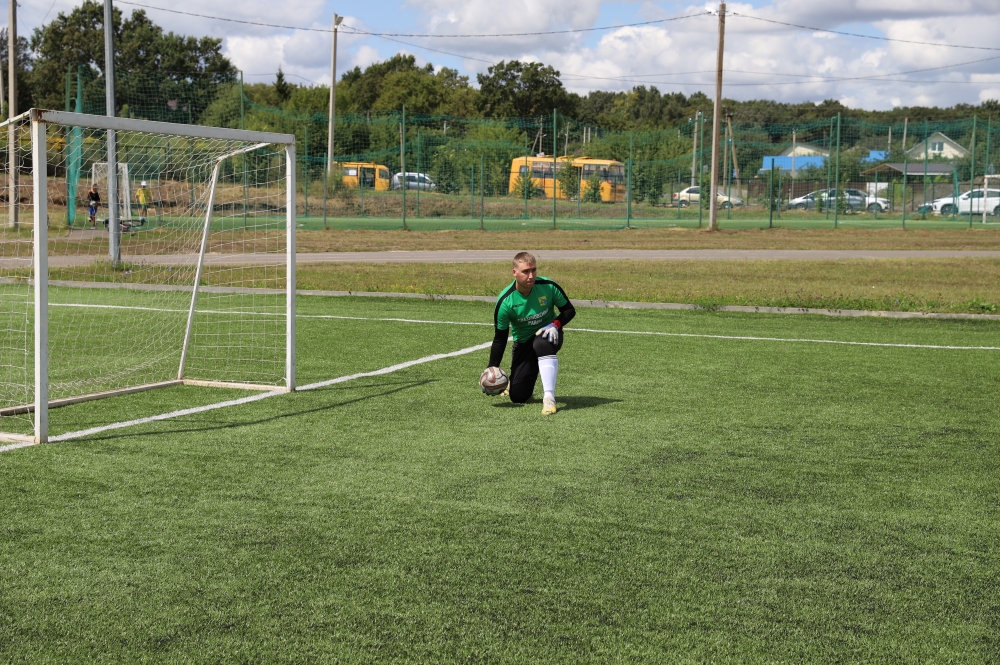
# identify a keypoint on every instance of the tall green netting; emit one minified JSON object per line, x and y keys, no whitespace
{"x":553,"y":171}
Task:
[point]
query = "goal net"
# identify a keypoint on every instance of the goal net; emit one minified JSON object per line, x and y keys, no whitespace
{"x":99,"y":177}
{"x":200,"y":293}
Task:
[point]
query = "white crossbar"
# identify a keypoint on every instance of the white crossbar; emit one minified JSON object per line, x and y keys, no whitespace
{"x":155,"y":127}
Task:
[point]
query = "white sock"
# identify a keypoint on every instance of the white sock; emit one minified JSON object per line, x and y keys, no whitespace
{"x":548,"y":367}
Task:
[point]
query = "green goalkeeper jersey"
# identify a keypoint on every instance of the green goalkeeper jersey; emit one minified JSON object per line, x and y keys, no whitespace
{"x":524,"y":315}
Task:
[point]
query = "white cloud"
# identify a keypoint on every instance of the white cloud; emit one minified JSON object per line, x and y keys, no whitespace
{"x":989,"y":93}
{"x":621,"y":58}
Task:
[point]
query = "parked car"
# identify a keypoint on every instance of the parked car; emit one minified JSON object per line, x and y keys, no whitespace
{"x":964,"y":203}
{"x":413,"y":181}
{"x":689,"y":195}
{"x":854,"y":200}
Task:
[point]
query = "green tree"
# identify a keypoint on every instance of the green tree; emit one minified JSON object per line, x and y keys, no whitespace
{"x":25,"y":63}
{"x":152,"y":67}
{"x":568,"y":177}
{"x":524,"y":182}
{"x":282,"y":87}
{"x":592,"y":193}
{"x":522,"y":89}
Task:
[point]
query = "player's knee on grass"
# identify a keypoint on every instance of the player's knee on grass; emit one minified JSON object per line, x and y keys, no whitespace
{"x":521,"y":392}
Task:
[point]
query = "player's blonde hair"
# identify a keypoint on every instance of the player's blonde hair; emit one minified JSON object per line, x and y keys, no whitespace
{"x":524,"y":257}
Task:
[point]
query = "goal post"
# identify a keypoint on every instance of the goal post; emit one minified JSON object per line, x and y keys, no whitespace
{"x":202,"y":296}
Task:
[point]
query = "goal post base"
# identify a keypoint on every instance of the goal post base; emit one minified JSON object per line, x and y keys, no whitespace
{"x":226,"y":384}
{"x":17,"y":438}
{"x":56,"y":403}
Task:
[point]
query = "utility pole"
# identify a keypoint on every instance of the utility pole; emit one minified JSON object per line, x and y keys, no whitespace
{"x":114,"y":230}
{"x":333,"y":95}
{"x":13,"y":194}
{"x":713,"y":209}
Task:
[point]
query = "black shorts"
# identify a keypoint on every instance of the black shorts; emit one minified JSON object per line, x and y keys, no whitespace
{"x":524,"y":365}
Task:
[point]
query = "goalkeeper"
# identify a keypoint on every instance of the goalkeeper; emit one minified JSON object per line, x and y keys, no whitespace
{"x":528,"y":307}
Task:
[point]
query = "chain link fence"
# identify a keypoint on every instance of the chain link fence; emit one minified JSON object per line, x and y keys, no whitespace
{"x":400,"y":170}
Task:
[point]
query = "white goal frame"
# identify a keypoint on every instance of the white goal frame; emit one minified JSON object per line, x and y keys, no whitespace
{"x":39,"y":119}
{"x":986,"y":190}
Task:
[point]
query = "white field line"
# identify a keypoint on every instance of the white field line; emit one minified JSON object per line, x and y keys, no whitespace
{"x":743,"y":338}
{"x":255,"y":398}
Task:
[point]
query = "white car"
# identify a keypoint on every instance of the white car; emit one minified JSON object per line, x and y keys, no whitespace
{"x":689,"y":195}
{"x":969,"y":201}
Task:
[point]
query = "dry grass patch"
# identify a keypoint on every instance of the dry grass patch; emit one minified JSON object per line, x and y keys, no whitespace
{"x":868,"y":239}
{"x":940,"y":285}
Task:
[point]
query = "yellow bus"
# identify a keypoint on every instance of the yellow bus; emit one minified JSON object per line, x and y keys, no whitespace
{"x":610,"y":174}
{"x":367,"y":174}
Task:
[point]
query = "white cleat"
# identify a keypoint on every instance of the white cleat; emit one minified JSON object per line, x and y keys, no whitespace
{"x":548,"y":406}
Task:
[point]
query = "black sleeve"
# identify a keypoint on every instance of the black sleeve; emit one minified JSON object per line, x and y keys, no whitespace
{"x":499,"y":346}
{"x":566,"y":313}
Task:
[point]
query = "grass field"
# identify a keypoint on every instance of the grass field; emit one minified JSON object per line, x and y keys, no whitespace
{"x":738,"y":489}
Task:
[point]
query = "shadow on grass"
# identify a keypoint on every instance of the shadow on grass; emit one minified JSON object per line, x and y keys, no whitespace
{"x":568,"y":403}
{"x":208,"y":427}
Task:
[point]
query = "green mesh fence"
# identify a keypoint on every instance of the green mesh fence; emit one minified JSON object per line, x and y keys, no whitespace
{"x":395,"y":170}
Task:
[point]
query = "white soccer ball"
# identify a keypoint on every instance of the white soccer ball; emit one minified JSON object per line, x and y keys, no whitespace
{"x":493,"y":381}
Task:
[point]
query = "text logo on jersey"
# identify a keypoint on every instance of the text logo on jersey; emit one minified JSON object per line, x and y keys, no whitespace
{"x":542,"y":300}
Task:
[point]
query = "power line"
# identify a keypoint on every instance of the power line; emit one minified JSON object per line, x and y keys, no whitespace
{"x":387,"y":35}
{"x":856,"y":34}
{"x":873,"y":77}
{"x":533,"y":34}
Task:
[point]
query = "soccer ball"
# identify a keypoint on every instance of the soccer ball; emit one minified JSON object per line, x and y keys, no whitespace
{"x":493,"y":381}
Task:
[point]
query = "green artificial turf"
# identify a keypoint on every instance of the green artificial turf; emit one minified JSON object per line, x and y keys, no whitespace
{"x":695,"y":499}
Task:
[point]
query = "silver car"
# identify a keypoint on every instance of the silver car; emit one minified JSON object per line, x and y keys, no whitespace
{"x":413,"y":181}
{"x":854,"y":200}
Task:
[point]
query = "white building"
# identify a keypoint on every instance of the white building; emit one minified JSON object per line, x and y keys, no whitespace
{"x":938,"y":145}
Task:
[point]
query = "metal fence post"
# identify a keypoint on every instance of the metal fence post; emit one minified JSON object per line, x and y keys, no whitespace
{"x":906,"y":168}
{"x":628,"y":185}
{"x":678,"y":195}
{"x":418,"y":174}
{"x":972,"y":171}
{"x":527,"y":183}
{"x":826,"y":203}
{"x":701,"y":167}
{"x":927,"y":136}
{"x":836,"y":203}
{"x":403,"y":182}
{"x":770,"y":196}
{"x":555,"y":165}
{"x":876,"y":194}
{"x":305,"y":159}
{"x":482,"y":191}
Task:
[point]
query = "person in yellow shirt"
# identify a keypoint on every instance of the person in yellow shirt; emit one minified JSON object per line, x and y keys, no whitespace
{"x":143,"y":197}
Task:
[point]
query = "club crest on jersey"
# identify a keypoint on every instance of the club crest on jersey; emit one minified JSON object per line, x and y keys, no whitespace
{"x":543,"y":300}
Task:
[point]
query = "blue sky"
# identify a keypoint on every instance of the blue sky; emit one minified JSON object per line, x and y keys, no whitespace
{"x":763,"y":60}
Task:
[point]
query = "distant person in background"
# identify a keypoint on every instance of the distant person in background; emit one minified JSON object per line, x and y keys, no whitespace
{"x":93,"y":203}
{"x":143,"y":197}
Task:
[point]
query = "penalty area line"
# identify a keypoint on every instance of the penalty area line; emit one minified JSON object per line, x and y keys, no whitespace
{"x":255,"y":398}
